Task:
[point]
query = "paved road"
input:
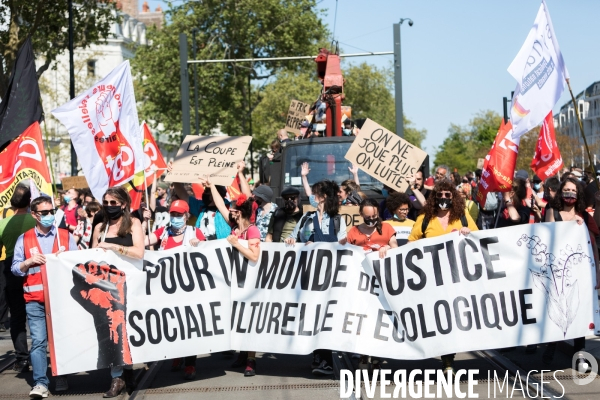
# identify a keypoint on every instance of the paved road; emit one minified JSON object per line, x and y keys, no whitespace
{"x":289,"y":377}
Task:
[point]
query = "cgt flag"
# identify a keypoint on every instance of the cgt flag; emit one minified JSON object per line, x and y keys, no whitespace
{"x":499,"y":164}
{"x":21,"y":104}
{"x":153,"y":159}
{"x":540,"y":71}
{"x":105,"y":131}
{"x":24,"y":159}
{"x":547,"y":159}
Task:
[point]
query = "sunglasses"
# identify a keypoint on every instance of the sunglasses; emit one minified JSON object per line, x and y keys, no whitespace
{"x":403,"y":209}
{"x":443,"y":195}
{"x":110,"y":203}
{"x":46,"y":212}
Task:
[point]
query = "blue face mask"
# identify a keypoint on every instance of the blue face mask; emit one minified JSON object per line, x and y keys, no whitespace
{"x":47,"y":220}
{"x":536,"y":186}
{"x":347,"y":132}
{"x":177,"y":222}
{"x":313,"y":202}
{"x":67,"y":199}
{"x":384,"y":192}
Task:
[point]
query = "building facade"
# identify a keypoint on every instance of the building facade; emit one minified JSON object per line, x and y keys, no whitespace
{"x":588,"y":103}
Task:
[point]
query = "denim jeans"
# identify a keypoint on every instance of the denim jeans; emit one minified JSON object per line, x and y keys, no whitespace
{"x":36,"y":315}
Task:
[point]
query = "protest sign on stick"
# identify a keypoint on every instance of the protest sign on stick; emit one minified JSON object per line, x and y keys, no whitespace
{"x":385,"y":156}
{"x":296,"y":114}
{"x":77,"y":182}
{"x":214,"y":156}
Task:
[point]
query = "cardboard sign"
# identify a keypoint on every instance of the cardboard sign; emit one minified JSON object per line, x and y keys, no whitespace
{"x":77,"y":182}
{"x":350,"y":214}
{"x":296,"y":114}
{"x":215,"y":156}
{"x":385,"y":156}
{"x":480,"y":162}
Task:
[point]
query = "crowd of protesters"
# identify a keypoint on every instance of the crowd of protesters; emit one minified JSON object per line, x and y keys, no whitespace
{"x":432,"y":206}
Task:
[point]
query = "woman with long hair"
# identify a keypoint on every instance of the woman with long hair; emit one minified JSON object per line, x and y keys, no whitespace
{"x":444,"y":212}
{"x":121,"y":233}
{"x":516,"y":211}
{"x":238,"y":215}
{"x":322,"y":225}
{"x":569,"y":205}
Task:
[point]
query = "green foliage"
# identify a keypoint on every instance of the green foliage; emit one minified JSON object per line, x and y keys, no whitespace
{"x":46,"y":22}
{"x":226,"y":29}
{"x":464,"y":145}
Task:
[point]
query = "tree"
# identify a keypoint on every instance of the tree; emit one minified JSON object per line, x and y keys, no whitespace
{"x":464,"y":145}
{"x":225,"y":29}
{"x":45,"y":21}
{"x":368,"y":90}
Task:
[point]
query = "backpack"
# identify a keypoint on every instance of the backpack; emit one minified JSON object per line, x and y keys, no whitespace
{"x":336,"y":223}
{"x":425,"y":224}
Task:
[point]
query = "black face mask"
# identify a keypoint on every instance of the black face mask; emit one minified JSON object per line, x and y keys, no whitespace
{"x":444,"y":204}
{"x":370,"y":221}
{"x":113,"y":212}
{"x":289,"y":206}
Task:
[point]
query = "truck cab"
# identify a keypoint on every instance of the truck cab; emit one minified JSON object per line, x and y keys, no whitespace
{"x":325,"y":156}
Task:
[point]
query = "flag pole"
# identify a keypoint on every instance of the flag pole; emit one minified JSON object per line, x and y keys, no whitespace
{"x":147,"y":205}
{"x":581,"y":130}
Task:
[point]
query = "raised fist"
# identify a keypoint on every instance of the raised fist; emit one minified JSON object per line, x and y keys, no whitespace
{"x":101,"y":290}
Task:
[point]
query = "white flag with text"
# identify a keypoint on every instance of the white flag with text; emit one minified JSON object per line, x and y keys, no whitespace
{"x":104,"y":129}
{"x":540,"y":71}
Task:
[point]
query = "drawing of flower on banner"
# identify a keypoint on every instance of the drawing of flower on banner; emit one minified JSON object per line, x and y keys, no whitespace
{"x":555,"y":277}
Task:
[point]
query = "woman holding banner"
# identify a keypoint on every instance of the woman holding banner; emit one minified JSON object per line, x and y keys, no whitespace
{"x":121,"y":233}
{"x":444,"y":212}
{"x":238,"y":215}
{"x":311,"y":228}
{"x":569,"y":205}
{"x":371,"y":235}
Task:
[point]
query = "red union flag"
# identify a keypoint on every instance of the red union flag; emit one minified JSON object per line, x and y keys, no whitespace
{"x":23,"y":159}
{"x":547,"y":159}
{"x":499,"y":165}
{"x":104,"y":129}
{"x":153,"y":159}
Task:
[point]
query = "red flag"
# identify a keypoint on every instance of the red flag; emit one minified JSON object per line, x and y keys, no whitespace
{"x":499,"y":165}
{"x":547,"y":159}
{"x":24,"y":158}
{"x":233,"y":191}
{"x":153,"y":159}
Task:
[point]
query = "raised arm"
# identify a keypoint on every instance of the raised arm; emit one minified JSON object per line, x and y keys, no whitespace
{"x":304,"y":172}
{"x":217,"y":198}
{"x":354,"y":171}
{"x":243,"y":181}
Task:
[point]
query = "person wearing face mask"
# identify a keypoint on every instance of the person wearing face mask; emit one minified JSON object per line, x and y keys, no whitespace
{"x":71,"y":209}
{"x":323,"y":225}
{"x":123,"y":234}
{"x":538,"y":187}
{"x":371,"y":235}
{"x":516,"y":211}
{"x":285,"y":218}
{"x":29,"y":258}
{"x":176,"y":234}
{"x":262,"y":198}
{"x":348,"y":129}
{"x":83,"y":233}
{"x":569,"y":205}
{"x":398,"y":204}
{"x":443,"y":213}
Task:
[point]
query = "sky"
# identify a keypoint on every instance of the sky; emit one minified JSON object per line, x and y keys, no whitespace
{"x":455,"y":56}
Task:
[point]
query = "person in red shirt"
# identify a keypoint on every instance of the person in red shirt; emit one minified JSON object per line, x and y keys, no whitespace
{"x":70,"y":209}
{"x":178,"y":233}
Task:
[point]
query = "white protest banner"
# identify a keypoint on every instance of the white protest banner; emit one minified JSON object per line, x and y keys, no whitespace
{"x":106,"y":311}
{"x":296,"y":114}
{"x":540,"y":72}
{"x":520,"y":285}
{"x":385,"y":156}
{"x":104,"y":129}
{"x":215,"y":156}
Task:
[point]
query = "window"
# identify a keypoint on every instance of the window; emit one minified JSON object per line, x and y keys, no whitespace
{"x":91,"y":68}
